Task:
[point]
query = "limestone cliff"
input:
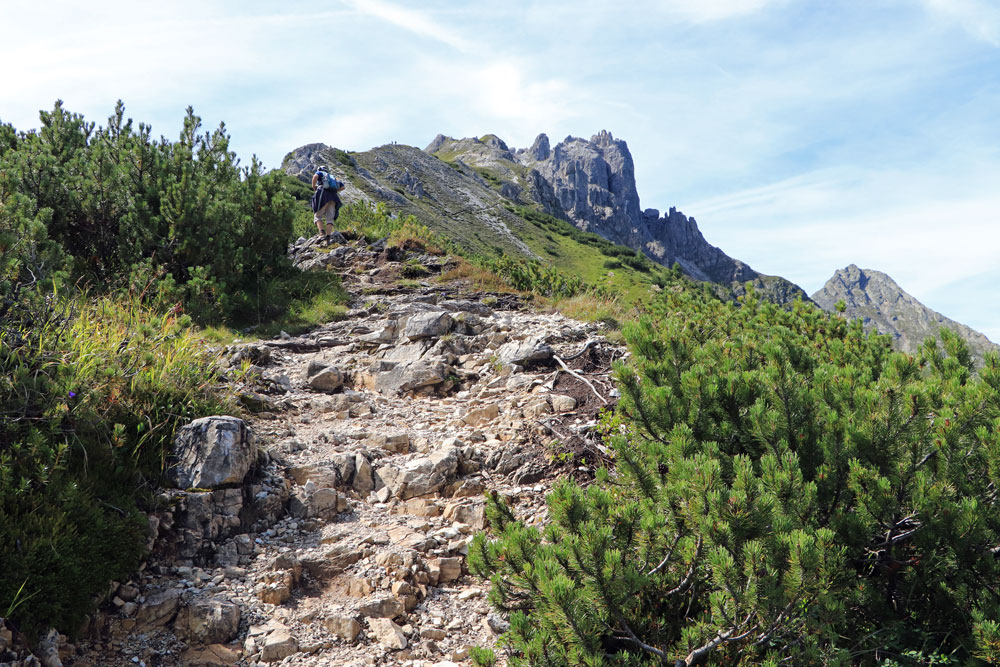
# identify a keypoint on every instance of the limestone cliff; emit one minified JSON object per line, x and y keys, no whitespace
{"x":591,"y":183}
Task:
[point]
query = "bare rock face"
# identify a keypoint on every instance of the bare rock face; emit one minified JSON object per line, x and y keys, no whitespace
{"x":882,"y":305}
{"x":591,"y":183}
{"x":594,"y":183}
{"x":211,"y":452}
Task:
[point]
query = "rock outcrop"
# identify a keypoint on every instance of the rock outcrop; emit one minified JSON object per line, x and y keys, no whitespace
{"x":882,"y":305}
{"x":591,"y":183}
{"x":468,"y":190}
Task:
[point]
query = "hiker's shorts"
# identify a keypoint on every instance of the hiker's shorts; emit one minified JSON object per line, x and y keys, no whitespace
{"x":329,"y":212}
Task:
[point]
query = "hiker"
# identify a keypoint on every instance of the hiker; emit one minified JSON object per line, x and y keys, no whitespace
{"x":325,"y":201}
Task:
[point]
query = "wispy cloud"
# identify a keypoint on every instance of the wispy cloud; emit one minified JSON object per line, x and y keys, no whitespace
{"x":414,"y":21}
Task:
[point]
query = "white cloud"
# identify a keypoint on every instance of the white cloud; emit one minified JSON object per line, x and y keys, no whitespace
{"x":419,"y":23}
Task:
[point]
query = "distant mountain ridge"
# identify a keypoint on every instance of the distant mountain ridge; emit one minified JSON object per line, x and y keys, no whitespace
{"x":882,"y":305}
{"x":470,"y":188}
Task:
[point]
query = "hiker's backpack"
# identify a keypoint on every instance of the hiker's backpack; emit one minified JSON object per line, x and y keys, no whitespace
{"x":328,"y":181}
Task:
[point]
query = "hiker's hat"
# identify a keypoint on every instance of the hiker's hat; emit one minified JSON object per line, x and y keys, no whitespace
{"x":322,"y":168}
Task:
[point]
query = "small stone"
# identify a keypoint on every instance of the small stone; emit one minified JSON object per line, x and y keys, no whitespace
{"x":402,"y":588}
{"x":344,"y":627}
{"x":208,"y":621}
{"x":322,"y":377}
{"x":562,"y":403}
{"x":128,"y":593}
{"x":470,"y":514}
{"x":278,"y":645}
{"x":275,"y":594}
{"x":449,"y":569}
{"x":398,"y":443}
{"x":496,"y":623}
{"x":388,"y":633}
{"x":358,"y":587}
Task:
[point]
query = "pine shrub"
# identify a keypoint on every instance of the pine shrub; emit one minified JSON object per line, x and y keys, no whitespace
{"x":787,"y":490}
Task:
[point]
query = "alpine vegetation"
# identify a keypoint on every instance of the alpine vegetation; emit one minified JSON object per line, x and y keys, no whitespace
{"x":787,"y":489}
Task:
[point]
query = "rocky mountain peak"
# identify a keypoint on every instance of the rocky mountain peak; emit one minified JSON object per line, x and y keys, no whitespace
{"x":604,"y":139}
{"x":540,"y":148}
{"x":436,"y":144}
{"x":882,"y":305}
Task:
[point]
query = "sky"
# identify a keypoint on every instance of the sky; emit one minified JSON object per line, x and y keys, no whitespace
{"x":802,"y":136}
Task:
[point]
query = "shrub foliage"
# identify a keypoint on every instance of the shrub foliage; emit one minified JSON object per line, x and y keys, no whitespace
{"x":787,"y":490}
{"x":92,"y":389}
{"x":90,"y":396}
{"x":181,"y":219}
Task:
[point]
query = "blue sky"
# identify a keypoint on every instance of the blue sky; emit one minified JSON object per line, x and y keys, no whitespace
{"x":802,"y":136}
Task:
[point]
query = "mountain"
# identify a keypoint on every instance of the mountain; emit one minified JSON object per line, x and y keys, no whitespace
{"x":592,"y":184}
{"x":881,"y":304}
{"x":477,"y":192}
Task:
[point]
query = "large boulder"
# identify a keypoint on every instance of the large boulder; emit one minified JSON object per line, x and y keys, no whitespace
{"x":432,"y":324}
{"x":211,"y":452}
{"x":524,"y":352}
{"x":407,"y":377}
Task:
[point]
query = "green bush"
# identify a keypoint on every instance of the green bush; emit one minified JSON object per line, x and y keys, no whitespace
{"x":90,"y":396}
{"x":120,"y":205}
{"x":787,"y":490}
{"x":533,"y":276}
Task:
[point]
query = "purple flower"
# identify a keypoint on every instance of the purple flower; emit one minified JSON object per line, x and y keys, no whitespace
{"x":72,"y":394}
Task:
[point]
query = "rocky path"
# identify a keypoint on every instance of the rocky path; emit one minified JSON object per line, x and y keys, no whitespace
{"x":380,"y":433}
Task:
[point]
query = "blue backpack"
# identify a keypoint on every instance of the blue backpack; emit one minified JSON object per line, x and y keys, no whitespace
{"x":328,"y":181}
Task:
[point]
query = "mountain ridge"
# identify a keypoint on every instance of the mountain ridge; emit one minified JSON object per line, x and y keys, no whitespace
{"x":475,"y":186}
{"x":882,"y":305}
